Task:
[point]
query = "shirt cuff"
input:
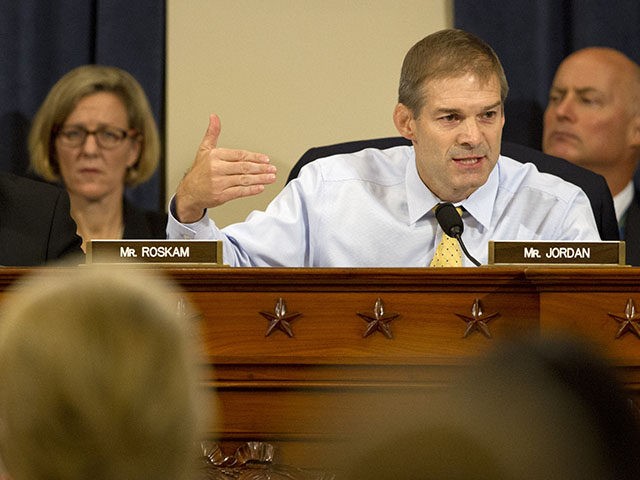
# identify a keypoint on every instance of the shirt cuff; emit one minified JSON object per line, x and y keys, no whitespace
{"x":203,"y":229}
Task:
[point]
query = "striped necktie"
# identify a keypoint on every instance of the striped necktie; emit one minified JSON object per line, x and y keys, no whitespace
{"x":448,"y":253}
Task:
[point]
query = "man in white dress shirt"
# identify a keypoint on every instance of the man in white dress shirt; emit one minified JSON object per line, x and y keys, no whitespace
{"x":374,"y":208}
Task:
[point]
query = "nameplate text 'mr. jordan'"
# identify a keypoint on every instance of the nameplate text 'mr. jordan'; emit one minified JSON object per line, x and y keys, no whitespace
{"x":201,"y":252}
{"x":554,"y":253}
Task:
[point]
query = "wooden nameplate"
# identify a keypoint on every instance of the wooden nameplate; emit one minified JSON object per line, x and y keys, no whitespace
{"x":606,"y":253}
{"x":168,"y":252}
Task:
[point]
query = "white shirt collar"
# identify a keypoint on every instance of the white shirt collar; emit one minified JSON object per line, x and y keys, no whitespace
{"x":421,"y":200}
{"x":622,"y":200}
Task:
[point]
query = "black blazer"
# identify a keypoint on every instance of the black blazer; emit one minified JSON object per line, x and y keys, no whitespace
{"x":143,"y":224}
{"x":35,"y":223}
{"x":592,"y":184}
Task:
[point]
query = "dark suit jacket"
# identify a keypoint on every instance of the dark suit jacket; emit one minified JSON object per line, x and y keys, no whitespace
{"x":143,"y":224}
{"x":35,"y":223}
{"x":592,"y":184}
{"x":632,"y":231}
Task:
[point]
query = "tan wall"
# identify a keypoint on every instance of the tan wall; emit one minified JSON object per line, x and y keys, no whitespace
{"x":285,"y":75}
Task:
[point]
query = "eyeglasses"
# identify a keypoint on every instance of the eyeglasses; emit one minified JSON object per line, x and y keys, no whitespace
{"x":106,"y":137}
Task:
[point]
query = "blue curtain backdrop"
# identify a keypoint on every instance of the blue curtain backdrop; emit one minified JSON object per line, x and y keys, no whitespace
{"x":41,"y":40}
{"x":532,"y":37}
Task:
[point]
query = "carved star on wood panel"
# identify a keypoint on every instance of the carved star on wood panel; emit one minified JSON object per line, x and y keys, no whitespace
{"x":280,"y":319}
{"x":630,"y":322}
{"x":478,"y":320}
{"x":378,"y":320}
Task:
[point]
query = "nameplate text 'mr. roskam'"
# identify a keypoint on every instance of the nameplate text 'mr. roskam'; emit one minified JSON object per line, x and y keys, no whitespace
{"x":556,"y":253}
{"x":193,"y":252}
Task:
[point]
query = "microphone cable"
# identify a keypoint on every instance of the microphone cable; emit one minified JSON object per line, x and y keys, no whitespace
{"x":451,"y":223}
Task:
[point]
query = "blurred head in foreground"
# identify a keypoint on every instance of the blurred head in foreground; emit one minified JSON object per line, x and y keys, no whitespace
{"x":97,"y":379}
{"x":538,"y":410}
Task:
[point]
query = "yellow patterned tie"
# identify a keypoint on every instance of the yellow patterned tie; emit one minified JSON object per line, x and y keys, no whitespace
{"x":448,"y":253}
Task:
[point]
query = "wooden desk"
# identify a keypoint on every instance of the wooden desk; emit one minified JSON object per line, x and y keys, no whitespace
{"x":346,"y":362}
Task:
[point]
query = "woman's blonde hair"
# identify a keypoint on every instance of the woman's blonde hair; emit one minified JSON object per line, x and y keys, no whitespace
{"x":62,"y":100}
{"x":98,"y":379}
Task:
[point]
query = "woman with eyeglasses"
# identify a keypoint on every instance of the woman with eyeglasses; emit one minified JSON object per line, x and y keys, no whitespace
{"x":96,"y":134}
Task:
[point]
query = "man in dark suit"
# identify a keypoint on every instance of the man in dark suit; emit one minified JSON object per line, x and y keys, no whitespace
{"x":35,"y":224}
{"x":593,"y":120}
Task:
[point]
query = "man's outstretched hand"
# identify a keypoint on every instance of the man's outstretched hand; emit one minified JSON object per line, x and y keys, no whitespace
{"x":219,"y":175}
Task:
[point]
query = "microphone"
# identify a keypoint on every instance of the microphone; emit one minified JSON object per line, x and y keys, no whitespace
{"x":451,"y":222}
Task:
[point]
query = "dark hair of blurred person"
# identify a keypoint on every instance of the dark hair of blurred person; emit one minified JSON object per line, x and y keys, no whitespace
{"x":532,"y":409}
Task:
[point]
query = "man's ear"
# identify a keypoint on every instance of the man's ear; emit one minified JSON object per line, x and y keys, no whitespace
{"x":404,"y":121}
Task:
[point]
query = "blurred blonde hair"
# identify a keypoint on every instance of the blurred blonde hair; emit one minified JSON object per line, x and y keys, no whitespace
{"x":62,"y":100}
{"x":97,"y":379}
